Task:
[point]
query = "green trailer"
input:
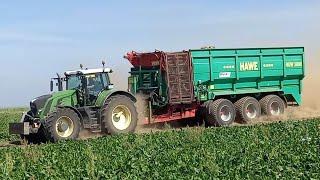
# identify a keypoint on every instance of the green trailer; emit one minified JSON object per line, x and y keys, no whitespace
{"x":243,"y":71}
{"x":218,"y":85}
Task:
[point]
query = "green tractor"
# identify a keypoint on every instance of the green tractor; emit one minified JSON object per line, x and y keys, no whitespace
{"x":88,"y":102}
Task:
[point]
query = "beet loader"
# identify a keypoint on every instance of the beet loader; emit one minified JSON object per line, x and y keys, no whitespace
{"x":217,"y":86}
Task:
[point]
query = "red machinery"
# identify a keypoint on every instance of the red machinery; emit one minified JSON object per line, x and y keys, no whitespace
{"x":166,"y":79}
{"x":146,"y":60}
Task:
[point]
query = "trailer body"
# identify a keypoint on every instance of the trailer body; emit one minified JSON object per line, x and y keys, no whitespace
{"x":177,"y":83}
{"x":242,"y":71}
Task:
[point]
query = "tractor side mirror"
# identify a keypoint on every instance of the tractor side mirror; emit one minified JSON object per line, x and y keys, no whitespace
{"x":51,"y":85}
{"x":110,"y":86}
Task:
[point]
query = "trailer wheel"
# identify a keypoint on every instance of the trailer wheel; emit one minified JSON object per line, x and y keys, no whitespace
{"x":272,"y":105}
{"x":220,"y":112}
{"x":119,"y":115}
{"x":248,"y":108}
{"x":62,"y":125}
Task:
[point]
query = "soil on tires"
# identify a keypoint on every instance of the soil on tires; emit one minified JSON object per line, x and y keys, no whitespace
{"x":266,"y":102}
{"x":242,"y":108}
{"x":108,"y":108}
{"x":50,"y":124}
{"x":213,"y":117}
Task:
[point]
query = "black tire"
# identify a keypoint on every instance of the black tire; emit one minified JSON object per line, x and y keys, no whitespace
{"x":50,"y":123}
{"x":248,"y":109}
{"x":111,"y":105}
{"x":201,"y":113}
{"x":35,"y":138}
{"x":272,"y":105}
{"x":216,"y":107}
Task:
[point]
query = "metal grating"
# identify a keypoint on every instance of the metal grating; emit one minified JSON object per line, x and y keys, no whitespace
{"x":179,"y":76}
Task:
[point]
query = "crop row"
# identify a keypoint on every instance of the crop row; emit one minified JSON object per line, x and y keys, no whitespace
{"x":278,"y":150}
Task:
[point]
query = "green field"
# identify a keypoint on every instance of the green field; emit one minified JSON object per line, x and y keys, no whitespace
{"x":278,"y":150}
{"x":6,"y":116}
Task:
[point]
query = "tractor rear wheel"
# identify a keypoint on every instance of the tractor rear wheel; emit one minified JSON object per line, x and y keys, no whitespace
{"x":220,"y":112}
{"x":62,"y":125}
{"x":248,"y":108}
{"x":272,"y":105}
{"x":119,"y":115}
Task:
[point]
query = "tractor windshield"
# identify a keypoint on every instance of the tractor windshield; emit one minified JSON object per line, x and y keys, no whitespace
{"x":97,"y":82}
{"x":94,"y":82}
{"x":73,"y":82}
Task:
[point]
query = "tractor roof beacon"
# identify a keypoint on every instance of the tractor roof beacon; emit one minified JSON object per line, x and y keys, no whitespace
{"x":85,"y":99}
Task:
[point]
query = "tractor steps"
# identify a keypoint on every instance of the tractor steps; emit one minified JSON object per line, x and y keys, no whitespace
{"x":92,"y":121}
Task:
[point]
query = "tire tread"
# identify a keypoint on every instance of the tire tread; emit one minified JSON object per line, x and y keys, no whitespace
{"x":48,"y":123}
{"x":105,"y":108}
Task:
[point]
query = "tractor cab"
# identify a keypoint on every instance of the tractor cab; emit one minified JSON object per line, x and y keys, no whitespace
{"x":88,"y":83}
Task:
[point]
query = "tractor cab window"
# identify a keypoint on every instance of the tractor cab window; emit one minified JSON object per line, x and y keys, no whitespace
{"x":73,"y":82}
{"x":96,"y":83}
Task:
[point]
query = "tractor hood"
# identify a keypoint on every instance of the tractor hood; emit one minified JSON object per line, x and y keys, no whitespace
{"x":38,"y":103}
{"x":63,"y":93}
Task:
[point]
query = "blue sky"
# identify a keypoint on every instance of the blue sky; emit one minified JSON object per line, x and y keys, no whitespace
{"x":40,"y":38}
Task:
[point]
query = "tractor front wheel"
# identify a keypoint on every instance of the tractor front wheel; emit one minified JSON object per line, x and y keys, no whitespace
{"x":119,"y":115}
{"x":35,"y":138}
{"x":62,"y":125}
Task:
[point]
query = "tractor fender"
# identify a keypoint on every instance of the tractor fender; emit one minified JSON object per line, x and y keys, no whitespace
{"x":125,"y":93}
